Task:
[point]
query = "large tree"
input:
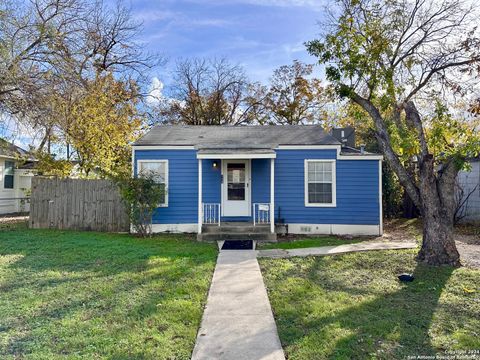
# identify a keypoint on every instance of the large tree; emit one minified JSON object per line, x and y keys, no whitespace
{"x":54,"y":48}
{"x":206,"y":92}
{"x":103,"y":121}
{"x":392,"y":57}
{"x":294,"y":96}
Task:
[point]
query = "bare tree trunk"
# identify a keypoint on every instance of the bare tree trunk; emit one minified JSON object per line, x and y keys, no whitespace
{"x":438,"y":245}
{"x":438,"y":204}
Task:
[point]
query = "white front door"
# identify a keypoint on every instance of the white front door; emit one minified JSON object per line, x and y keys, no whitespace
{"x":236,"y":187}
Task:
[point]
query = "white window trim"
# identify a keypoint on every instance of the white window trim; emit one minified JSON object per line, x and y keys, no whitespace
{"x":334,"y":183}
{"x":166,"y":177}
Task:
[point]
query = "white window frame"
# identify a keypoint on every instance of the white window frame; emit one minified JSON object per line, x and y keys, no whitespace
{"x":165,"y":204}
{"x":334,"y":183}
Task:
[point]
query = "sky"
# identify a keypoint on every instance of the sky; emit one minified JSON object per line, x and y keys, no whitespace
{"x":260,"y":35}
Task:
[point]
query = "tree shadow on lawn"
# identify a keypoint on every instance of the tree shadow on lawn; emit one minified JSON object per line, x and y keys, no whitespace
{"x":348,"y":313}
{"x":101,"y":294}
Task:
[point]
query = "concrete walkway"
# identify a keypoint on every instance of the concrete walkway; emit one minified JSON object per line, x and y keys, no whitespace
{"x":332,"y":250}
{"x":238,"y":321}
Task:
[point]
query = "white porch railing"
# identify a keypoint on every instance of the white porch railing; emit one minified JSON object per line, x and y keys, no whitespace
{"x":261,"y":213}
{"x":211,"y":213}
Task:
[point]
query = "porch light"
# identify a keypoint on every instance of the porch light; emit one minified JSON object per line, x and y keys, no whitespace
{"x":215,"y":164}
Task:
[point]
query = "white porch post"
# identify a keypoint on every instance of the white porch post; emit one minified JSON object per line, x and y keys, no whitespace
{"x":200,"y":207}
{"x":272,"y":196}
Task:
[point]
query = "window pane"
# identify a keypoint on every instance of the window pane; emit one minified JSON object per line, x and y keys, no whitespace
{"x":319,"y":193}
{"x":9,"y":166}
{"x":8,"y":175}
{"x":236,"y":192}
{"x":319,"y":171}
{"x":327,"y":176}
{"x":162,"y":198}
{"x":8,"y":184}
{"x":319,"y":167}
{"x":155,"y":168}
{"x":236,"y":181}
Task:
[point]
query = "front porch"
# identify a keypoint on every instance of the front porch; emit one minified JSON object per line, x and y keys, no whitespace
{"x":236,"y":194}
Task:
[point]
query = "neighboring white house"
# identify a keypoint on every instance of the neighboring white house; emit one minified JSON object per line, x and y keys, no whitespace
{"x":469,"y":182}
{"x":16,"y":172}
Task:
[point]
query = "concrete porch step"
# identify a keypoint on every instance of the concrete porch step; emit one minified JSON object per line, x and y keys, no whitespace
{"x":217,"y":236}
{"x":236,"y":228}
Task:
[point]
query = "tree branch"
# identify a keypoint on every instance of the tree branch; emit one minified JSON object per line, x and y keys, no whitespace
{"x":384,"y":141}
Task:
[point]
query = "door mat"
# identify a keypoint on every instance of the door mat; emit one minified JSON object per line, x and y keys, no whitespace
{"x":237,"y":245}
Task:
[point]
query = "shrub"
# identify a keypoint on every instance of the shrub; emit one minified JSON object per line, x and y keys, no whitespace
{"x":141,"y":196}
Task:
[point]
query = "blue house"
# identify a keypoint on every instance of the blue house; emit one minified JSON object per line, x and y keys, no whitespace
{"x":294,"y":178}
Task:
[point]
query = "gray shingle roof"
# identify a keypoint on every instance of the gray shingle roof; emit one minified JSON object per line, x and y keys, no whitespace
{"x":10,"y":150}
{"x":237,"y":137}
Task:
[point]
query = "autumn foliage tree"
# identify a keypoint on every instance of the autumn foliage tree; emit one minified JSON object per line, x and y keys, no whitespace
{"x":392,"y":58}
{"x":103,"y":122}
{"x":295,"y":97}
{"x":72,"y":70}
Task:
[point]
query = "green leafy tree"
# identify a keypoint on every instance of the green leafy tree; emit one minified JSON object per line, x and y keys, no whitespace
{"x":392,"y":58}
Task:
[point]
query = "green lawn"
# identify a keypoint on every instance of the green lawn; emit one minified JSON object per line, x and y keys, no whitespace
{"x":308,"y":242}
{"x":91,"y":295}
{"x":353,"y":307}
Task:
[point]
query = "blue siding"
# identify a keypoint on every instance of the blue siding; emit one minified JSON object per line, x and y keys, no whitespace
{"x":182,"y":182}
{"x":211,"y":181}
{"x":357,"y":187}
{"x":357,"y":190}
{"x":260,"y":180}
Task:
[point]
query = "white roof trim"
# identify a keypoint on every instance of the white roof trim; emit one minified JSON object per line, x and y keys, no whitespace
{"x":17,"y":158}
{"x":237,"y":156}
{"x":360,"y":157}
{"x":163,"y":147}
{"x":307,"y":147}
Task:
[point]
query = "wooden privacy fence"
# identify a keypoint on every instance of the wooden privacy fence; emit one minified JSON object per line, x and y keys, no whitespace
{"x":77,"y":204}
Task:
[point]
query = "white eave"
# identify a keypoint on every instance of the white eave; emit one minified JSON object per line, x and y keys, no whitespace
{"x":236,"y":155}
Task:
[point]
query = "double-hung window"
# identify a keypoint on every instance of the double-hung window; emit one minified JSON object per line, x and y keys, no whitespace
{"x":320,"y":183}
{"x":8,"y":175}
{"x":159,"y":171}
